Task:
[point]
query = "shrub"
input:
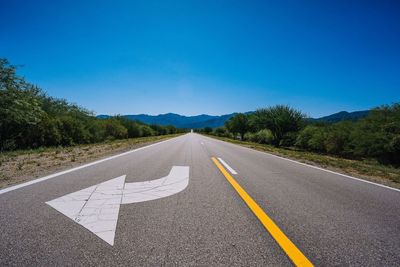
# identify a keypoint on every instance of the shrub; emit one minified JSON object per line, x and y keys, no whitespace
{"x":337,"y":138}
{"x":264,"y":136}
{"x":221,"y":131}
{"x":311,"y":137}
{"x":280,"y":120}
{"x":207,"y":130}
{"x":238,"y":124}
{"x":146,"y":131}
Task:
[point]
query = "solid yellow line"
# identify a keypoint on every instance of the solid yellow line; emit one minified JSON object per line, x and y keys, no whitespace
{"x":288,"y":247}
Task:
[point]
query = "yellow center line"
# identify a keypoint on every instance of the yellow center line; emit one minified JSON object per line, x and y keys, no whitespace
{"x":288,"y":247}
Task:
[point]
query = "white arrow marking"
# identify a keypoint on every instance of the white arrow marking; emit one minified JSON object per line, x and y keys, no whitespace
{"x":96,"y":208}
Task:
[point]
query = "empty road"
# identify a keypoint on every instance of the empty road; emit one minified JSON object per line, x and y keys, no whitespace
{"x":193,"y":200}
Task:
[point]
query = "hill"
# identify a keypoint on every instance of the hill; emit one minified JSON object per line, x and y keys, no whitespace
{"x":204,"y":120}
{"x":180,"y":121}
{"x":343,"y":115}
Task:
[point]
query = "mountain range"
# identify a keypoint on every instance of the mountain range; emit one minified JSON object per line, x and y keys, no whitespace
{"x":201,"y":121}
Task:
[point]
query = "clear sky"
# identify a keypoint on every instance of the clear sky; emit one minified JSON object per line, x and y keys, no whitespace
{"x":213,"y":57}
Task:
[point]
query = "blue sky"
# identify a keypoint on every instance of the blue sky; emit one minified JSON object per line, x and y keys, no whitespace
{"x":213,"y":57}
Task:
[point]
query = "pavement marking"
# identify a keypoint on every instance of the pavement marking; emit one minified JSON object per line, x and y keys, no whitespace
{"x":227,"y":166}
{"x":311,"y":166}
{"x":38,"y":180}
{"x":287,"y":246}
{"x":97,"y":207}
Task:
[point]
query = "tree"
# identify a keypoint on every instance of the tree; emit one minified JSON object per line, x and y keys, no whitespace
{"x":263,"y":137}
{"x":280,"y":119}
{"x":377,"y":135}
{"x":20,"y":108}
{"x":338,"y":138}
{"x":147,"y":130}
{"x":312,"y":137}
{"x":220,"y":131}
{"x":207,"y":130}
{"x":132,"y":126}
{"x":238,"y":124}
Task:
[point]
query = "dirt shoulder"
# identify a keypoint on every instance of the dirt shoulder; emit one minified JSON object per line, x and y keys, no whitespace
{"x":21,"y":166}
{"x":368,"y":169}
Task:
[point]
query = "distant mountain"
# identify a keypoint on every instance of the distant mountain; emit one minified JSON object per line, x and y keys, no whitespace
{"x":201,"y":121}
{"x":180,"y":121}
{"x":343,"y":115}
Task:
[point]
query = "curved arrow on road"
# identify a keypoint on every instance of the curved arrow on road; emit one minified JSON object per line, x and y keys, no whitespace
{"x":96,"y":208}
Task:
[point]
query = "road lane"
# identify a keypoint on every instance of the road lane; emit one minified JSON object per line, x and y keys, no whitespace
{"x":334,"y":220}
{"x":295,"y":255}
{"x":206,"y":224}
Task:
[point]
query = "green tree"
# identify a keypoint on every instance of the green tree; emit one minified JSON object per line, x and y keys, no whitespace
{"x":207,"y":130}
{"x":147,"y":130}
{"x":280,"y":119}
{"x":221,"y":131}
{"x":377,"y":134}
{"x":20,"y":108}
{"x":238,"y":124}
{"x":263,"y":137}
{"x":312,"y":137}
{"x":132,"y":127}
{"x":337,"y":139}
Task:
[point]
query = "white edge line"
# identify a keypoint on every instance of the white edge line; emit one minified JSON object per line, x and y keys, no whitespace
{"x":314,"y":167}
{"x":38,"y":180}
{"x":227,"y":166}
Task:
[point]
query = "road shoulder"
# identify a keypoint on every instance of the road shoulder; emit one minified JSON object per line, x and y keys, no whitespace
{"x":22,"y":166}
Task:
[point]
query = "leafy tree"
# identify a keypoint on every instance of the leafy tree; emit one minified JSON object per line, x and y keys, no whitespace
{"x":311,"y":137}
{"x":220,"y":131}
{"x":263,"y":137}
{"x":238,"y":124}
{"x":170,"y":129}
{"x":207,"y":130}
{"x":280,"y":119}
{"x":20,"y":109}
{"x":132,"y":127}
{"x":337,"y":138}
{"x":377,"y":134}
{"x":115,"y":130}
{"x":29,"y":118}
{"x":147,"y":130}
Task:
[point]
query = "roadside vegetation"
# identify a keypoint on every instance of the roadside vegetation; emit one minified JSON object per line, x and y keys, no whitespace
{"x":22,"y":165}
{"x":30,"y":119}
{"x":369,"y":147}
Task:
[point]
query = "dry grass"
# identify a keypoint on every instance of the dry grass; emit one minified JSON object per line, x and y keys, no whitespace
{"x":367,"y":169}
{"x":23,"y":165}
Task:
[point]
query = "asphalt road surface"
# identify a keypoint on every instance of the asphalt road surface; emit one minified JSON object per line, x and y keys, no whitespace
{"x":202,"y":219}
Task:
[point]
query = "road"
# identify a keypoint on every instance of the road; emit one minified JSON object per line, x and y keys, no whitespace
{"x":332,"y":220}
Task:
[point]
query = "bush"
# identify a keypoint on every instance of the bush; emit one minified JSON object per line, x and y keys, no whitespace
{"x":133,"y":128}
{"x":280,"y":120}
{"x":146,"y":131}
{"x":264,"y":136}
{"x":311,"y":137}
{"x":221,"y":131}
{"x":114,"y":129}
{"x":29,"y":118}
{"x":207,"y":130}
{"x":376,"y":135}
{"x":238,"y":124}
{"x":337,"y":138}
{"x":288,"y":139}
